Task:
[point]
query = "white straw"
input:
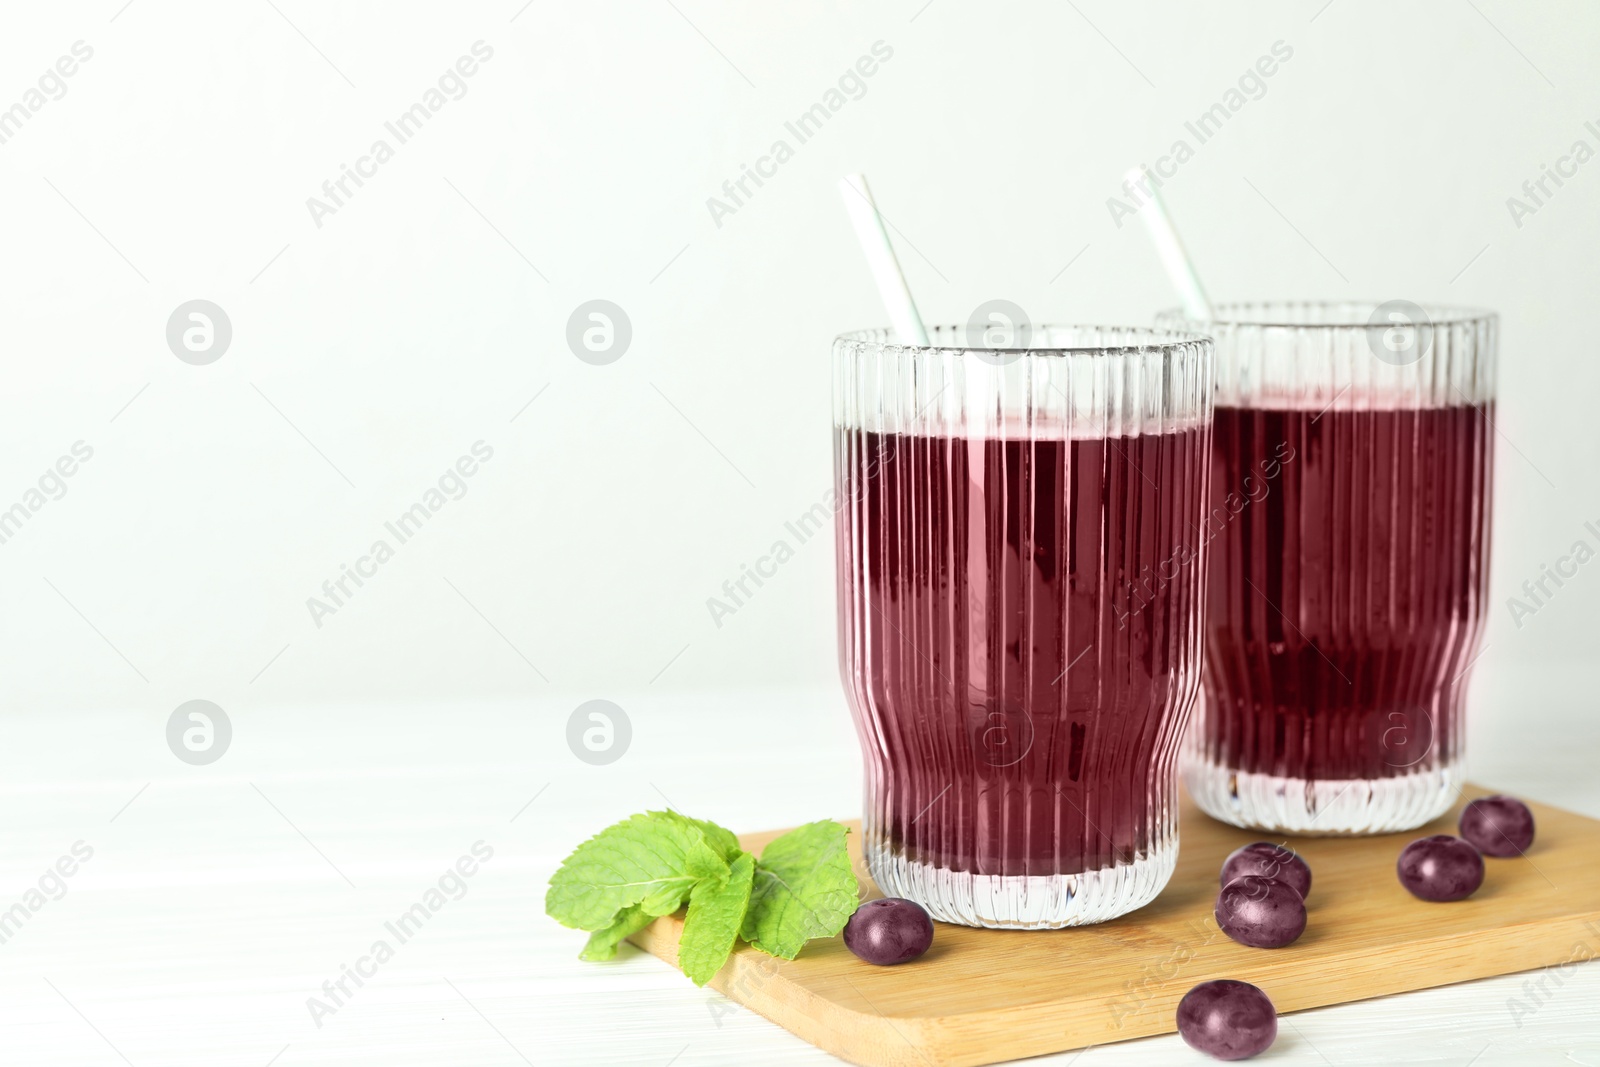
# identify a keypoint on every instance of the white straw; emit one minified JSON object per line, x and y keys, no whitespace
{"x":1176,"y":261}
{"x":881,"y":260}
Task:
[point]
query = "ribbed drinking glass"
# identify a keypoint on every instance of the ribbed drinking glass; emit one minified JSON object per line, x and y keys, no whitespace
{"x":1352,"y":458}
{"x":1019,"y":611}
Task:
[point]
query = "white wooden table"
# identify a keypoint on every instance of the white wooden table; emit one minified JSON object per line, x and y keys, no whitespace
{"x":219,"y":898}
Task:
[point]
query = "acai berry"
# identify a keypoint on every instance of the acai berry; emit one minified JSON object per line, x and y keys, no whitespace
{"x":1498,"y":826}
{"x":1227,"y":1020}
{"x":1269,"y":861}
{"x":1440,"y":868}
{"x":1260,"y":912}
{"x":889,"y":931}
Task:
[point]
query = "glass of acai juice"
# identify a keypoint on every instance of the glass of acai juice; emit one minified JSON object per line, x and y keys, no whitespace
{"x":1018,"y":695}
{"x":1349,"y":526}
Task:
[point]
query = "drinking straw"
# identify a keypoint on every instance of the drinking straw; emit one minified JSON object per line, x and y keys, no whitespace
{"x":1176,"y":261}
{"x":881,"y":260}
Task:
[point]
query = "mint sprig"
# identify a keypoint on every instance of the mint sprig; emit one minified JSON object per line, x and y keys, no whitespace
{"x":614,"y":884}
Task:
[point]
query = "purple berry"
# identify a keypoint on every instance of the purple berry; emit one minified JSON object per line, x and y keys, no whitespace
{"x":889,"y":931}
{"x":1441,"y":868}
{"x":1269,"y":861}
{"x":1498,"y":826}
{"x":1260,"y":912}
{"x":1227,"y":1020}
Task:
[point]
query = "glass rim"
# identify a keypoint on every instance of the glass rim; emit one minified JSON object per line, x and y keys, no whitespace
{"x":1136,"y":339}
{"x":1323,"y":315}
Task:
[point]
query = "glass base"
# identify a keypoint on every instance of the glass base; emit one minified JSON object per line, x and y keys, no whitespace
{"x":1329,"y":808}
{"x":1022,"y":902}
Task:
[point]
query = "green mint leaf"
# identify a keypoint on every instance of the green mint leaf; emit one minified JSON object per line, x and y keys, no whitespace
{"x":804,"y":888}
{"x":704,"y":862}
{"x":701,"y":863}
{"x":717,"y":837}
{"x":668,"y":896}
{"x":618,"y":881}
{"x":603,"y":943}
{"x":716,"y":910}
{"x":641,"y":860}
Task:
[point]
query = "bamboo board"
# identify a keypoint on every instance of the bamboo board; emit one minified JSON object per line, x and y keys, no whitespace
{"x":986,"y":996}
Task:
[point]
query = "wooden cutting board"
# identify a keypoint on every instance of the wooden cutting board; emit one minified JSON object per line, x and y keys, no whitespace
{"x":985,"y":996}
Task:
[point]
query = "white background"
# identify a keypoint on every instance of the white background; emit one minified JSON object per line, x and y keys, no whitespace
{"x":368,"y":354}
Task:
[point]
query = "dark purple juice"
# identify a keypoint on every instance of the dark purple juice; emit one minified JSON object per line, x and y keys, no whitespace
{"x":1015,"y":619}
{"x":1347,"y":580}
